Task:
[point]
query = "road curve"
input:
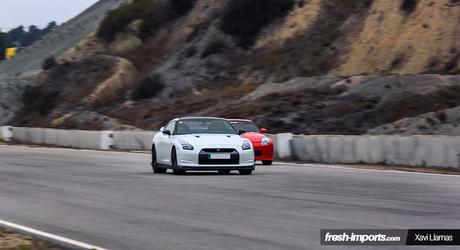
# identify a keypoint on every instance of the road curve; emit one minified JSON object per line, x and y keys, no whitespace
{"x":112,"y":200}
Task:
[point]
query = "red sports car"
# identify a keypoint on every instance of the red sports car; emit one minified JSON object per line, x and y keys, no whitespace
{"x":263,"y":146}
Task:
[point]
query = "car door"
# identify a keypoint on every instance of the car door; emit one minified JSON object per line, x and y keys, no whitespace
{"x":165,"y":144}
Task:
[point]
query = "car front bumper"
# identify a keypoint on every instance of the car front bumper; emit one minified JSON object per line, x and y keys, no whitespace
{"x":199,"y":159}
{"x":263,"y":152}
{"x":214,"y":168}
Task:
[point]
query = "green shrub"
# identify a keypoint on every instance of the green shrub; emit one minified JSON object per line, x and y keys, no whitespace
{"x":3,"y":45}
{"x":153,"y":14}
{"x":244,"y":19}
{"x":182,"y":7}
{"x":409,"y":6}
{"x":155,"y":18}
{"x":148,"y":87}
{"x":214,"y":47}
{"x":38,"y":99}
{"x":190,"y":52}
{"x":116,"y":20}
{"x":49,"y":63}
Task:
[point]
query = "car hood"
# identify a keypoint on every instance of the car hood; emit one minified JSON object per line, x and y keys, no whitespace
{"x":212,"y":139}
{"x":254,"y":137}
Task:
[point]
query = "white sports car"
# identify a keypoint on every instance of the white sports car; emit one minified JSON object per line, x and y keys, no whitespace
{"x":201,"y":143}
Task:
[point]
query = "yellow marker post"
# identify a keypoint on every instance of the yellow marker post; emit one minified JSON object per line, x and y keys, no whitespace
{"x":10,"y":52}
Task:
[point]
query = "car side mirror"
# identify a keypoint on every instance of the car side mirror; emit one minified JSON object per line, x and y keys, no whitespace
{"x":166,"y":132}
{"x":162,"y":129}
{"x":263,"y":130}
{"x":241,"y":132}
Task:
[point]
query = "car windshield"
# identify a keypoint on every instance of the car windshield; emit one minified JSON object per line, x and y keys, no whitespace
{"x":246,"y":126}
{"x":204,"y":126}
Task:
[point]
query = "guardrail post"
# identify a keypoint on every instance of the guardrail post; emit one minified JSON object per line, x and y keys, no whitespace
{"x":7,"y":133}
{"x":106,"y":139}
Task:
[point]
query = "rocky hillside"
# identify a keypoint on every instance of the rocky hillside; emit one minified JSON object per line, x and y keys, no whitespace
{"x":306,"y":66}
{"x":20,"y":71}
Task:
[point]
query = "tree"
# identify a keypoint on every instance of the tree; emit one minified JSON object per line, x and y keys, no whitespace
{"x":18,"y":37}
{"x":51,"y":26}
{"x":3,"y":41}
{"x":31,"y":36}
{"x":15,"y":36}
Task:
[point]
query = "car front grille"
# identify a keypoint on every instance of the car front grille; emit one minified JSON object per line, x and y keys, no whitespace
{"x":218,"y":150}
{"x":205,"y":159}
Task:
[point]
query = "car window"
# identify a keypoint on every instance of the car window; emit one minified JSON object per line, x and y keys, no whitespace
{"x":246,"y":126}
{"x":204,"y":126}
{"x":170,"y":126}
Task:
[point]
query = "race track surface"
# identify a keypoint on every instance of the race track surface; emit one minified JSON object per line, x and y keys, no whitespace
{"x":112,"y":200}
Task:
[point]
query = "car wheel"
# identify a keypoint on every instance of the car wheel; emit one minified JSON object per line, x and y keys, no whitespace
{"x":155,"y":168}
{"x":175,"y":167}
{"x":224,"y":171}
{"x":245,"y":172}
{"x":267,"y":162}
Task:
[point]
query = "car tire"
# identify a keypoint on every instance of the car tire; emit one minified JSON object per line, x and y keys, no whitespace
{"x":245,"y":172}
{"x":224,"y":172}
{"x":176,"y":169}
{"x":267,"y":162}
{"x":156,"y":169}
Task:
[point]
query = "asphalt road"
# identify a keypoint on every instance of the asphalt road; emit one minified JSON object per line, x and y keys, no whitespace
{"x":113,"y":200}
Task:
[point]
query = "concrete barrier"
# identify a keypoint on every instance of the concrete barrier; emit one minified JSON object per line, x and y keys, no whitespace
{"x":282,"y":146}
{"x":63,"y":138}
{"x":107,"y":140}
{"x":133,"y":140}
{"x":434,"y":151}
{"x":304,"y":148}
{"x":6,"y":133}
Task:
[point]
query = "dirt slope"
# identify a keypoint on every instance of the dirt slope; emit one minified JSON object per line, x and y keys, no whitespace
{"x":424,"y":39}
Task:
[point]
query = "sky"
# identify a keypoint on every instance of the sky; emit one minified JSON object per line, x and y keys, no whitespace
{"x":39,"y":12}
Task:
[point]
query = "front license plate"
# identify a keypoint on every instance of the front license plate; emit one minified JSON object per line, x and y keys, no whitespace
{"x":219,"y":156}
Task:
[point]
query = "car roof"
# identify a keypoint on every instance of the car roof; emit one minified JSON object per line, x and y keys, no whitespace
{"x":199,"y":117}
{"x":240,"y":120}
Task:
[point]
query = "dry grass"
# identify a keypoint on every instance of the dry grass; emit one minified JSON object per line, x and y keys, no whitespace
{"x":13,"y":241}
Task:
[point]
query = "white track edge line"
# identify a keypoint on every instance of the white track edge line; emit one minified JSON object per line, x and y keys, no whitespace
{"x":323,"y":165}
{"x":50,"y":236}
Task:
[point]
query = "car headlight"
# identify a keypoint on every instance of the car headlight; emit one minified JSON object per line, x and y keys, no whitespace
{"x":265,"y":141}
{"x":246,"y":145}
{"x":186,"y":145}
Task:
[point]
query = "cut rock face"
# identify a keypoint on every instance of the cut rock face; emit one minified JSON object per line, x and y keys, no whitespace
{"x":11,"y":89}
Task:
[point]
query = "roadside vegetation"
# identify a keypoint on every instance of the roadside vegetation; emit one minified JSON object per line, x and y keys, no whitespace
{"x":116,"y":20}
{"x":153,"y":14}
{"x":13,"y":241}
{"x":49,"y":63}
{"x":3,"y":38}
{"x":148,"y":87}
{"x":245,"y":19}
{"x":214,"y":47}
{"x":409,"y":6}
{"x":39,"y":99}
{"x":20,"y":37}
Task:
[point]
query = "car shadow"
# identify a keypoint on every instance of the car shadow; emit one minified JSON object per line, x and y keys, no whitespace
{"x":204,"y":173}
